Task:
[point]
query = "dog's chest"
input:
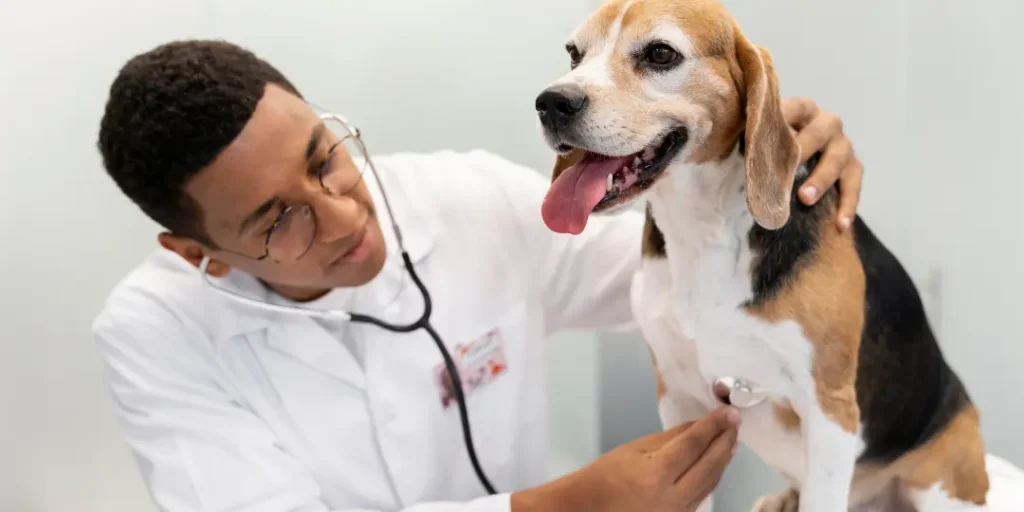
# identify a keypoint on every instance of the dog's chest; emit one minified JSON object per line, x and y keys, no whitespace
{"x":690,"y":306}
{"x":699,"y":291}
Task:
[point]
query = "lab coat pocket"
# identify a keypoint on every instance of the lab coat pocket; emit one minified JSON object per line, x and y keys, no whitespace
{"x":492,"y":361}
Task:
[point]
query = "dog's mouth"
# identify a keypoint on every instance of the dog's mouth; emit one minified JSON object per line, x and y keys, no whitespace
{"x":599,"y":182}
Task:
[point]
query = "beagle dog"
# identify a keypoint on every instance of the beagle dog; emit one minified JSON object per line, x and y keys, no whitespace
{"x":668,"y":102}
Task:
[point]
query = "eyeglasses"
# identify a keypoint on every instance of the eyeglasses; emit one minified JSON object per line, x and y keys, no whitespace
{"x":294,"y":230}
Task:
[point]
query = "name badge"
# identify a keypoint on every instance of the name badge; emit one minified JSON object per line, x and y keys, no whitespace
{"x":479,"y":362}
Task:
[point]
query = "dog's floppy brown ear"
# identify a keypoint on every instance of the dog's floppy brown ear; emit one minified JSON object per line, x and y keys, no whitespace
{"x":772,"y":152}
{"x":563,"y":162}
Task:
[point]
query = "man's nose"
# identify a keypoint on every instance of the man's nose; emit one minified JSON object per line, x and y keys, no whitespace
{"x":560,"y":105}
{"x":337,"y":218}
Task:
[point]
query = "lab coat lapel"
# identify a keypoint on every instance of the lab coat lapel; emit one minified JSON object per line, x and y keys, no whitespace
{"x":305,"y":341}
{"x":392,"y":296}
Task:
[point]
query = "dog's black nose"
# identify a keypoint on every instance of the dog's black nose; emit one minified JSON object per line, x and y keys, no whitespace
{"x":559,"y":105}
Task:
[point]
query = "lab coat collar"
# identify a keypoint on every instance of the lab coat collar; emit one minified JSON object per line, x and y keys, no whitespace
{"x":418,"y":234}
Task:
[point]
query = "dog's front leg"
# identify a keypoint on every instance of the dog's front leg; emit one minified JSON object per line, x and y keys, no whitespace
{"x":831,"y":425}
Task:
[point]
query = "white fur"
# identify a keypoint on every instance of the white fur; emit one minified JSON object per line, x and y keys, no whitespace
{"x":690,"y":310}
{"x":595,"y":69}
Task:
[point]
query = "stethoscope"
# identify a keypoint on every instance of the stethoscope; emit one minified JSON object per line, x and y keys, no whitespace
{"x":422,"y":323}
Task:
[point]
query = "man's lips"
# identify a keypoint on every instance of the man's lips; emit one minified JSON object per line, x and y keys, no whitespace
{"x":362,"y":241}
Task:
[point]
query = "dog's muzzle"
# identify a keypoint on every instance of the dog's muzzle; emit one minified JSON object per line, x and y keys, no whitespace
{"x":560,"y":105}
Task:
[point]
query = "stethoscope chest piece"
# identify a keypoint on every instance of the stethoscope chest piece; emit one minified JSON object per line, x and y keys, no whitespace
{"x":739,"y":393}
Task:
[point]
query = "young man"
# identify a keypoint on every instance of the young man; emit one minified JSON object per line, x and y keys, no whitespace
{"x":231,"y":405}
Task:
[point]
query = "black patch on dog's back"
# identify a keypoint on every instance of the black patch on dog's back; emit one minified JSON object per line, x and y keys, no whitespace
{"x":905,"y":389}
{"x":784,"y":251}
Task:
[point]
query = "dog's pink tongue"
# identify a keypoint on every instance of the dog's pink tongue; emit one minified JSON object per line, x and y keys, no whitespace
{"x":577,"y":190}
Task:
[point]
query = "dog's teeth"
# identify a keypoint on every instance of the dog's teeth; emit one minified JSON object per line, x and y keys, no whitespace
{"x":608,"y":183}
{"x":636,"y":161}
{"x":625,"y":171}
{"x":648,"y":153}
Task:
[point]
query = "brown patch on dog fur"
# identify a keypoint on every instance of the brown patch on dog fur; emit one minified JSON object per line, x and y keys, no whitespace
{"x":600,"y":23}
{"x":954,"y":459}
{"x":724,"y":105}
{"x":563,"y":162}
{"x":826,"y":298}
{"x":660,"y":387}
{"x":703,"y":20}
{"x":785,"y":501}
{"x":786,"y":416}
{"x":653,"y":240}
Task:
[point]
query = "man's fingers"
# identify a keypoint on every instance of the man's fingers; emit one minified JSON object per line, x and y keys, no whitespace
{"x":849,"y":193}
{"x":835,"y":158}
{"x":705,"y":474}
{"x":798,"y":112}
{"x":680,"y":453}
{"x":817,"y":133}
{"x":654,"y":441}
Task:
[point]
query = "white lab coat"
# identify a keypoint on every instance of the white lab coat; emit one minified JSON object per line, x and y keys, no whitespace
{"x":229,"y":407}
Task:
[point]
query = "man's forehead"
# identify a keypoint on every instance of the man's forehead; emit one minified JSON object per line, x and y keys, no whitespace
{"x":257,"y":164}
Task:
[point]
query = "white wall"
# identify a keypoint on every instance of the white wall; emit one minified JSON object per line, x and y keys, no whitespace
{"x":68,"y":236}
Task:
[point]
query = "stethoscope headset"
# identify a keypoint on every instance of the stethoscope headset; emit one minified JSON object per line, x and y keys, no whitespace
{"x":422,"y":323}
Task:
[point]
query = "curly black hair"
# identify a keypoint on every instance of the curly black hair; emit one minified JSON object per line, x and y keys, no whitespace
{"x":171,"y":111}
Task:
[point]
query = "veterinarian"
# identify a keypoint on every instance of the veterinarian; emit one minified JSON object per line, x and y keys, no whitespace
{"x":254,"y":360}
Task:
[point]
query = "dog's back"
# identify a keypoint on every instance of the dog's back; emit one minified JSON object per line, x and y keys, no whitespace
{"x":917,"y":422}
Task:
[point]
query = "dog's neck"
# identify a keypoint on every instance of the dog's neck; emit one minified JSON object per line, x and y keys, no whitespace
{"x":701,"y":211}
{"x":700,"y":205}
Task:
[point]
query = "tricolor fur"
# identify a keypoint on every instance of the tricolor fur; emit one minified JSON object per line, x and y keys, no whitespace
{"x":668,"y":101}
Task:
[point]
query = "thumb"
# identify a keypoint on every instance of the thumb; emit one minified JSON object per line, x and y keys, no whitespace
{"x":680,"y":452}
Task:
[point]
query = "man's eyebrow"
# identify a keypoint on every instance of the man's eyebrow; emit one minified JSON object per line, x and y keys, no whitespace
{"x":257,"y":214}
{"x":314,"y":140}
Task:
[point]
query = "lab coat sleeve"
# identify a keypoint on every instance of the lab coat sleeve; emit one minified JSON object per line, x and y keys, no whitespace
{"x":584,"y":280}
{"x":198,"y":449}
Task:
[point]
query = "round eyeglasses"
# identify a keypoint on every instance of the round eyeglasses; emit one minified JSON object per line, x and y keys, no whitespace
{"x":293,"y":232}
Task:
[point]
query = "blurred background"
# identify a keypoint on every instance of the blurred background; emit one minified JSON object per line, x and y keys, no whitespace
{"x":928,"y":90}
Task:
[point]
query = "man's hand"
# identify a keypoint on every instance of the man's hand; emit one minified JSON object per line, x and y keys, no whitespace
{"x":674,"y":470}
{"x":818,"y":130}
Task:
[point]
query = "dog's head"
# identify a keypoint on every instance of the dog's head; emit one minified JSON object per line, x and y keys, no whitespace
{"x":654,"y":83}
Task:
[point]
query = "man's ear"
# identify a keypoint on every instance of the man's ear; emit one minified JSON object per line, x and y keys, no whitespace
{"x":192,"y":252}
{"x":563,"y":162}
{"x":772,"y":152}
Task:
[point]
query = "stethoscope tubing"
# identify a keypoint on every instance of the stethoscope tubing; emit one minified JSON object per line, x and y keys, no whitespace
{"x":422,"y":323}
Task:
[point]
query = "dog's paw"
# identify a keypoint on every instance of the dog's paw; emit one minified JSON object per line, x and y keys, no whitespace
{"x":786,"y":501}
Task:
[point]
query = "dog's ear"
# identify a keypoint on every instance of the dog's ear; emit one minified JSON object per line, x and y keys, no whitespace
{"x":563,"y":162}
{"x":772,"y":152}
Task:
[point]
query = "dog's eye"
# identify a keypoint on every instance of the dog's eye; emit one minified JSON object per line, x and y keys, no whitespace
{"x":574,"y":55}
{"x":660,"y":55}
